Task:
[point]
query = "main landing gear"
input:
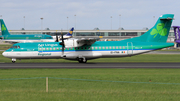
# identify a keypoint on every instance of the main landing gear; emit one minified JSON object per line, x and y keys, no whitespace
{"x":82,"y":60}
{"x":13,"y":60}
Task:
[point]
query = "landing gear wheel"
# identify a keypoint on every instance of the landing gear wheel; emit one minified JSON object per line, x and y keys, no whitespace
{"x":13,"y":61}
{"x":82,"y":60}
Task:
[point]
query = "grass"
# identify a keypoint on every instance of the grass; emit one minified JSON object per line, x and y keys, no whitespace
{"x":5,"y":46}
{"x":138,"y":58}
{"x":78,"y":90}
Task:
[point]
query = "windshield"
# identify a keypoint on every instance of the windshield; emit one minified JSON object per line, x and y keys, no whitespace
{"x":15,"y":47}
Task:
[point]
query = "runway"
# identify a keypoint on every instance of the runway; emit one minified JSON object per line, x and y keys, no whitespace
{"x":86,"y":66}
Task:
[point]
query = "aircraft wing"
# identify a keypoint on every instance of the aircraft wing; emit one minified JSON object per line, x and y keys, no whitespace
{"x":87,"y":41}
{"x":11,"y":42}
{"x":79,"y":42}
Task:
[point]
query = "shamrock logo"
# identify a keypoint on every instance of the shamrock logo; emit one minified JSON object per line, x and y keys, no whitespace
{"x":3,"y":28}
{"x":159,"y":30}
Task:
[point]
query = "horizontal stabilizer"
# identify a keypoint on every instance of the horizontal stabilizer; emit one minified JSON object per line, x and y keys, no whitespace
{"x":166,"y":17}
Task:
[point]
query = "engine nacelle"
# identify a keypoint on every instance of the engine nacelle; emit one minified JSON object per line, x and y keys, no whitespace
{"x":72,"y":43}
{"x":79,"y":42}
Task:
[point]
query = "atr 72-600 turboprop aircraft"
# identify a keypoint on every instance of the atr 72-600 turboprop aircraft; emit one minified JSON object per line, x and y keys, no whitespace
{"x":7,"y":37}
{"x":86,"y":49}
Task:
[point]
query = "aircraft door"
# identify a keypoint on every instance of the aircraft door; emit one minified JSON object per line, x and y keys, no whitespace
{"x":129,"y":48}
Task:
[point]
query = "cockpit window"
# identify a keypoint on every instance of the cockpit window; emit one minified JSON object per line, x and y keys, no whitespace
{"x":15,"y":47}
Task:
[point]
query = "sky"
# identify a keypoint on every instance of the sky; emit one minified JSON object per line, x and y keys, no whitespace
{"x":86,"y":15}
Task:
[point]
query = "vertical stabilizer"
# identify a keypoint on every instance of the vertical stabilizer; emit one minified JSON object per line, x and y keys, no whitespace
{"x":4,"y":29}
{"x":70,"y":33}
{"x":159,"y":32}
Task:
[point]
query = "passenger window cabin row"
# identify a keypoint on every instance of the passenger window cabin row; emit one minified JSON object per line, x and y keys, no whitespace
{"x":85,"y":48}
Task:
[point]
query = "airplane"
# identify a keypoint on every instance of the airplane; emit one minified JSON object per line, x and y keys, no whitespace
{"x":177,"y":34}
{"x":7,"y":37}
{"x":86,"y":49}
{"x":66,"y":36}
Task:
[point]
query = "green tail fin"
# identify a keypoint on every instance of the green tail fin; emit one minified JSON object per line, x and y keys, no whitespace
{"x":4,"y":30}
{"x":159,"y":32}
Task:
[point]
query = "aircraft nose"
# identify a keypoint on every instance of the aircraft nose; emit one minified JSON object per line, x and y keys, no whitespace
{"x":4,"y":54}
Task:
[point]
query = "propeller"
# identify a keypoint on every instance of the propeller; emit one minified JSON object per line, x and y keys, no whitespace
{"x":56,"y":38}
{"x":62,"y":43}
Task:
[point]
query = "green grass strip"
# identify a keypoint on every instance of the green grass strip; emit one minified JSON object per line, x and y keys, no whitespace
{"x":114,"y":81}
{"x":23,"y":78}
{"x":93,"y":80}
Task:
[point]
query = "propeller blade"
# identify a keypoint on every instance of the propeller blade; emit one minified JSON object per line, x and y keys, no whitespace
{"x":62,"y":38}
{"x":56,"y":38}
{"x":62,"y":43}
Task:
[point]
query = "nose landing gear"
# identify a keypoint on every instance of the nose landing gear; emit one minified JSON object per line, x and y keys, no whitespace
{"x":13,"y":60}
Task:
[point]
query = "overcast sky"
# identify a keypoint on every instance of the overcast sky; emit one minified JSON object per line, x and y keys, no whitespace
{"x":135,"y":14}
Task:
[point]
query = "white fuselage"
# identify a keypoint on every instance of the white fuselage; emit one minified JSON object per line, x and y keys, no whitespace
{"x":23,"y":41}
{"x":72,"y":55}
